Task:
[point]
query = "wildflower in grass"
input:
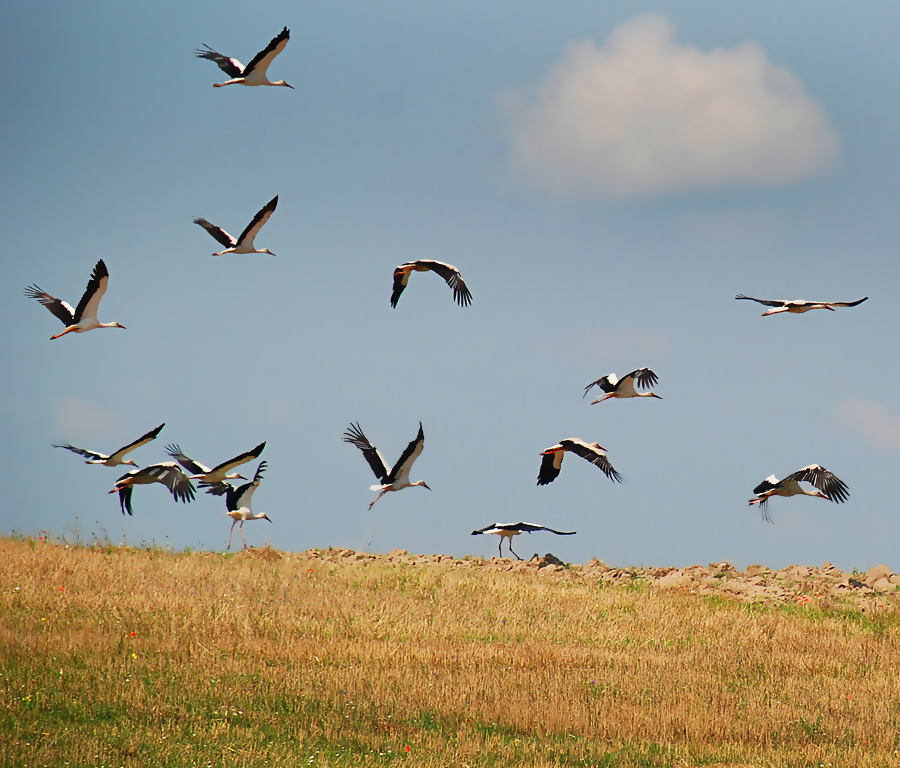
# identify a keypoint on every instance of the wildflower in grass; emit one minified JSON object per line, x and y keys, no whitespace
{"x":406,"y":748}
{"x":132,"y":634}
{"x":133,"y":655}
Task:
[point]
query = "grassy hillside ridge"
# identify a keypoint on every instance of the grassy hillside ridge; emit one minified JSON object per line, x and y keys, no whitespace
{"x":120,"y":656}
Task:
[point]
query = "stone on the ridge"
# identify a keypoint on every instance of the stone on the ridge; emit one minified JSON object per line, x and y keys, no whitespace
{"x":875,"y":573}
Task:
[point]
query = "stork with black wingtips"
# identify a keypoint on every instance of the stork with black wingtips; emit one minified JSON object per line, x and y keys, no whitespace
{"x":255,"y":72}
{"x":827,"y":486}
{"x":508,"y":530}
{"x":117,"y":457}
{"x":84,"y":317}
{"x":592,"y":452}
{"x":167,"y":472}
{"x":244,"y":243}
{"x":237,"y":502}
{"x":624,"y":387}
{"x":395,"y":478}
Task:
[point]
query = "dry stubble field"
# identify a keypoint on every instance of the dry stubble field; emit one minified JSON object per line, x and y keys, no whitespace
{"x":117,"y":656}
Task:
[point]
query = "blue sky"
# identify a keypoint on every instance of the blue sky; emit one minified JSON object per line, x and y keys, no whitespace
{"x":605,"y":176}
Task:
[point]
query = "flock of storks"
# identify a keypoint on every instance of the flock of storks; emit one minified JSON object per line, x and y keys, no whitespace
{"x":177,"y":475}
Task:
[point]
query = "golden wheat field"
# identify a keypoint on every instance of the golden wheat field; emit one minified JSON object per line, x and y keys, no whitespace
{"x":116,"y":656}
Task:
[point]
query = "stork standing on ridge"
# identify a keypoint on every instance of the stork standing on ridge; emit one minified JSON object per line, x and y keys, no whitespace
{"x":244,"y":244}
{"x":508,"y":530}
{"x":798,"y":306}
{"x":393,"y":479}
{"x":624,"y":387}
{"x":255,"y":72}
{"x":592,"y":452}
{"x":84,"y":316}
{"x":451,"y":275}
{"x":118,"y":457}
{"x":213,"y":479}
{"x":168,"y":473}
{"x":237,"y":502}
{"x":827,"y":485}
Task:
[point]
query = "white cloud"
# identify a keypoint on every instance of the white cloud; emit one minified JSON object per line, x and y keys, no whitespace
{"x":645,"y":115}
{"x":871,"y":420}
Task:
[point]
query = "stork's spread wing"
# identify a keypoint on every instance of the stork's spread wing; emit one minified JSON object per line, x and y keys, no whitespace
{"x":194,"y":467}
{"x":61,"y":309}
{"x":174,"y":479}
{"x":231,"y":67}
{"x":83,"y":452}
{"x":125,"y":500}
{"x":355,"y":436}
{"x":594,"y":454}
{"x":761,"y":301}
{"x":408,"y":457}
{"x":217,"y":232}
{"x":401,"y":278}
{"x":848,"y":303}
{"x":216,"y":489}
{"x":522,"y":526}
{"x":550,"y":465}
{"x":644,"y":378}
{"x":238,"y":497}
{"x":226,"y":466}
{"x":262,"y":59}
{"x":770,"y":483}
{"x":143,"y":440}
{"x":96,"y":287}
{"x":529,"y":527}
{"x":607,"y":384}
{"x":252,"y":229}
{"x":825,"y":481}
{"x":461,"y":293}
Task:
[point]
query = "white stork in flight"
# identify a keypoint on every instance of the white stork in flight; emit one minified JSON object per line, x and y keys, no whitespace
{"x":255,"y":72}
{"x":508,"y":530}
{"x":624,"y":387}
{"x":592,"y":452}
{"x":168,"y":473}
{"x":798,"y":305}
{"x":118,"y":457}
{"x":244,"y":244}
{"x":827,"y":485}
{"x":214,"y":479}
{"x":237,"y":502}
{"x":392,"y":479}
{"x":84,"y":316}
{"x":451,"y":275}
